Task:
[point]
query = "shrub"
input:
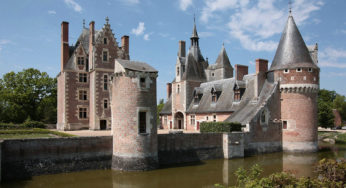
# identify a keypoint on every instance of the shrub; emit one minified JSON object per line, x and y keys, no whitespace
{"x":217,"y":127}
{"x":33,"y":124}
{"x":10,"y":126}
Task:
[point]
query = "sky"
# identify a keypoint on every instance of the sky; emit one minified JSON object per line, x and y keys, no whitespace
{"x":249,"y":29}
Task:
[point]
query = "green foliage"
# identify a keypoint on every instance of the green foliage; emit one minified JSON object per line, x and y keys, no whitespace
{"x":33,"y":124}
{"x":339,"y":103}
{"x":159,"y":108}
{"x":331,"y":173}
{"x":340,"y":138}
{"x":325,"y":115}
{"x":33,"y":131}
{"x":217,"y":127}
{"x":29,"y":93}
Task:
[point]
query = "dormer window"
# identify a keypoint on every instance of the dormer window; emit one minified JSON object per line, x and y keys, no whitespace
{"x":299,"y":70}
{"x":105,"y":41}
{"x":286,"y":71}
{"x":213,"y":97}
{"x":215,"y":93}
{"x":238,"y":93}
{"x":80,"y":60}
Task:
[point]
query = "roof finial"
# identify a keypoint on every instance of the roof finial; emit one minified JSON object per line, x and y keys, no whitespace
{"x":223,"y":44}
{"x":194,"y":18}
{"x":290,"y":7}
{"x":107,"y":20}
{"x":83,"y":23}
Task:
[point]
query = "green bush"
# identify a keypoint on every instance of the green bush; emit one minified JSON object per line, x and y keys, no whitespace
{"x":217,"y":127}
{"x":10,"y":126}
{"x":34,"y":124}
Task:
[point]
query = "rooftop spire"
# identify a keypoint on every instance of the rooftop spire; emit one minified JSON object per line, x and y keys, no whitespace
{"x":107,"y":20}
{"x":194,"y":31}
{"x":83,"y":23}
{"x":292,"y":51}
{"x":290,"y":7}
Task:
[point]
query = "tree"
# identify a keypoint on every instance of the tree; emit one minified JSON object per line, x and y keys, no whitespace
{"x":325,"y":108}
{"x":339,"y":103}
{"x":159,"y":108}
{"x":27,"y":94}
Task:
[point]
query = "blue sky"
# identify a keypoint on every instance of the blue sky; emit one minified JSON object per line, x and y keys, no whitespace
{"x":249,"y":29}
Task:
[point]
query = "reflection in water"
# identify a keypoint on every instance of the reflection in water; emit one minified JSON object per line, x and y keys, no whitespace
{"x":204,"y":174}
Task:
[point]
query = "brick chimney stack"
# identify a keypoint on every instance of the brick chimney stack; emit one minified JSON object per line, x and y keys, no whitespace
{"x":125,"y":43}
{"x":240,"y":71}
{"x":261,"y":65}
{"x":64,"y":45}
{"x":169,"y":90}
{"x":181,"y":52}
{"x":91,"y":43}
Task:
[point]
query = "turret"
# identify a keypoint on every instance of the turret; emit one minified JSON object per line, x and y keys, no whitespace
{"x":298,"y":77}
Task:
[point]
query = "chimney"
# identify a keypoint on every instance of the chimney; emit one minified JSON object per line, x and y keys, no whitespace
{"x":240,"y":71}
{"x":169,"y":90}
{"x":125,"y":42}
{"x":181,"y":52}
{"x":64,"y":45}
{"x":91,"y":43}
{"x":261,"y":65}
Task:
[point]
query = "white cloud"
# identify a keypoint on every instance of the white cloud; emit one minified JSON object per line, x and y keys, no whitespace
{"x":130,"y":2}
{"x":184,"y":4}
{"x":51,"y":12}
{"x":146,"y":36}
{"x":254,"y":23}
{"x":74,"y":5}
{"x":139,"y":30}
{"x":331,"y":57}
{"x":4,"y":42}
{"x":205,"y":34}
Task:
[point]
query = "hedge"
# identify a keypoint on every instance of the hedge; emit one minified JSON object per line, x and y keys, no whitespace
{"x":35,"y":131}
{"x":25,"y":125}
{"x":218,"y":127}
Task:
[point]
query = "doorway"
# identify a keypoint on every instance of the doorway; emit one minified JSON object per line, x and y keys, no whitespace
{"x":179,"y":120}
{"x":103,"y":124}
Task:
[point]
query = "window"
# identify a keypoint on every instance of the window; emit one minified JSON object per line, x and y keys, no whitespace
{"x":214,"y":118}
{"x":212,"y":74}
{"x":263,"y":116}
{"x":105,"y":56}
{"x":105,"y":104}
{"x":142,"y":122}
{"x":83,"y":95}
{"x":196,"y":99}
{"x":310,"y":69}
{"x":192,"y":119}
{"x":142,"y":82}
{"x":82,"y":113}
{"x":80,"y":60}
{"x":105,"y":82}
{"x":286,"y":71}
{"x":213,"y":97}
{"x":178,"y":88}
{"x":299,"y":70}
{"x":207,"y":118}
{"x":238,"y":94}
{"x":83,"y":77}
{"x":178,"y":71}
{"x":284,"y":124}
{"x":165,"y":120}
{"x":104,"y":40}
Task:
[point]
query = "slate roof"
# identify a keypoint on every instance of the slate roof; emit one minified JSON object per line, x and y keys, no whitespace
{"x":222,"y":60}
{"x":292,"y":51}
{"x":136,"y":65}
{"x":225,"y":102}
{"x":167,"y":108}
{"x":246,"y":110}
{"x":193,"y":70}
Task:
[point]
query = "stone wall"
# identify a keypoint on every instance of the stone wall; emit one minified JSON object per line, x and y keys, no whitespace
{"x":182,"y":148}
{"x":23,"y":158}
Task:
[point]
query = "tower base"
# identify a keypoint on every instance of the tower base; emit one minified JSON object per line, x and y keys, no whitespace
{"x":300,"y":147}
{"x":134,"y":163}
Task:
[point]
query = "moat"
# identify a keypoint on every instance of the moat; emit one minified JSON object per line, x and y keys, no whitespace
{"x":203,"y":174}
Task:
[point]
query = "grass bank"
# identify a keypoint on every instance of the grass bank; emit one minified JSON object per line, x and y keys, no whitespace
{"x":31,"y":133}
{"x":340,"y":138}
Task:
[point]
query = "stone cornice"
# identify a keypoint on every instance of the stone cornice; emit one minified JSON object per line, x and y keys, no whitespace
{"x":299,"y":88}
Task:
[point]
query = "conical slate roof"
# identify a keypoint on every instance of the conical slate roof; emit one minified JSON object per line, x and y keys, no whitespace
{"x":292,"y":51}
{"x":222,"y":60}
{"x":194,"y":31}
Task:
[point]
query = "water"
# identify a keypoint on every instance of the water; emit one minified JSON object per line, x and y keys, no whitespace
{"x":203,"y":174}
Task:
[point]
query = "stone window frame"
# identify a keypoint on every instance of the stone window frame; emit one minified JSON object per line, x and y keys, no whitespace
{"x":148,"y":118}
{"x":193,"y":119}
{"x":79,"y":107}
{"x":299,"y":69}
{"x":286,"y":71}
{"x":102,"y":55}
{"x":86,"y":92}
{"x":283,"y":128}
{"x":85,"y":76}
{"x":266,"y":116}
{"x":105,"y":104}
{"x":80,"y":60}
{"x":105,"y":82}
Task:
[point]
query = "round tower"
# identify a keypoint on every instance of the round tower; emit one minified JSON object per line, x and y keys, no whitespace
{"x":133,"y":103}
{"x":298,"y":77}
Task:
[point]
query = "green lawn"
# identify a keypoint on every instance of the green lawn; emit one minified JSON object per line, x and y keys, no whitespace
{"x":339,"y":138}
{"x":31,"y":133}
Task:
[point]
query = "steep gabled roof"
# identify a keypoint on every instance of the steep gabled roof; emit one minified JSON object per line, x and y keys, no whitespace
{"x":292,"y":51}
{"x":193,"y":70}
{"x":222,"y":60}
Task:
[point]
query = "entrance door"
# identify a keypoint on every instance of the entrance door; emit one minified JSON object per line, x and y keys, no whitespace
{"x":103,"y":124}
{"x":197,"y":125}
{"x":179,"y":124}
{"x":170,"y":124}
